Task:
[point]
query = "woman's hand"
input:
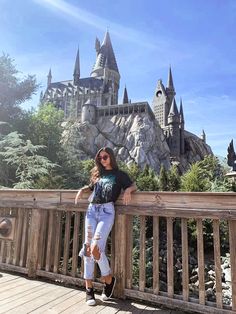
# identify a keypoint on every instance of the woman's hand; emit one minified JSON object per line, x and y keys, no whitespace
{"x":127,"y":197}
{"x":78,"y":196}
{"x":127,"y":194}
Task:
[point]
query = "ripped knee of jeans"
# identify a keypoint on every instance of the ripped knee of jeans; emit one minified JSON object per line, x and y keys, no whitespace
{"x":85,"y":251}
{"x":95,"y":248}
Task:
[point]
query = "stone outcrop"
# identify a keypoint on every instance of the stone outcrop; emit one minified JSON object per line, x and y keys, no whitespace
{"x":135,"y":138}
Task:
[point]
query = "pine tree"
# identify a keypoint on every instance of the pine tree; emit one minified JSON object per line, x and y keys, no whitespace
{"x":163,"y":179}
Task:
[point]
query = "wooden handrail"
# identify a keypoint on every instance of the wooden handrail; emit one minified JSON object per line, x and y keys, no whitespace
{"x":49,"y":232}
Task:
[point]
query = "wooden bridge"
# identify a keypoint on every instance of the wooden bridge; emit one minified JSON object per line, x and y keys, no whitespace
{"x":43,"y":231}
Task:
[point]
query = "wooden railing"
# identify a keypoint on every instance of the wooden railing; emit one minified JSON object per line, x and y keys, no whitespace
{"x":48,"y":230}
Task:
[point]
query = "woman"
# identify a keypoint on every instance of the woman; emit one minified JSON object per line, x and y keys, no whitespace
{"x":106,"y":182}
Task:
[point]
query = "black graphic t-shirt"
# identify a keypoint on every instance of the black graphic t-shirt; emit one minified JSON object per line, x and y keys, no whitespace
{"x":108,"y":187}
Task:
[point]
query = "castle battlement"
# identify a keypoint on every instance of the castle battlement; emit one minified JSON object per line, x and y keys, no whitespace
{"x":90,"y":112}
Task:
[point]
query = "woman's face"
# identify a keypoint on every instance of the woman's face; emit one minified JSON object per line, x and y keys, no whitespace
{"x":104,"y":159}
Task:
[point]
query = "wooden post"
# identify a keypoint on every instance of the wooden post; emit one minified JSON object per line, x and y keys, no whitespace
{"x":120,"y":255}
{"x":34,"y":243}
{"x":232,"y":241}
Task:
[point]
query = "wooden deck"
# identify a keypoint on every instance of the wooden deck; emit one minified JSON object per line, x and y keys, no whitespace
{"x":21,"y":295}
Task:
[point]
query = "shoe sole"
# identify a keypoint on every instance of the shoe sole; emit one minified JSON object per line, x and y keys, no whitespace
{"x":104,"y":297}
{"x":91,"y":302}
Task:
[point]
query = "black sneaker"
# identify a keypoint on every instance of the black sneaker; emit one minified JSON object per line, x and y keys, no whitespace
{"x":90,"y":299}
{"x":108,"y":289}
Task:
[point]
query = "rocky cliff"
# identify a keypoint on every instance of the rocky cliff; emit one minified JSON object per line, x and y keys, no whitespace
{"x":135,"y":138}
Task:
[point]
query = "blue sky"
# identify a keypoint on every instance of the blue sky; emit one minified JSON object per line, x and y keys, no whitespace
{"x":197,"y":37}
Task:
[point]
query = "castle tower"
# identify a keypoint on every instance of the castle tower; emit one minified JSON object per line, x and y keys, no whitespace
{"x":49,"y":78}
{"x":173,"y":134}
{"x":106,"y":68}
{"x":181,"y":127}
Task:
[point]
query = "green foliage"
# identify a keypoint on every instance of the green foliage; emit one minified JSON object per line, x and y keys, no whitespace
{"x":193,"y":180}
{"x":174,"y":180}
{"x":13,"y":90}
{"x":147,"y":180}
{"x":23,"y":156}
{"x":206,"y":175}
{"x":163,"y":179}
{"x":45,"y":129}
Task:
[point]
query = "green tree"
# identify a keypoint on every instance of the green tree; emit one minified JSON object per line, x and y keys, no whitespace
{"x":163,"y":179}
{"x":13,"y":90}
{"x":45,"y":129}
{"x":174,"y":180}
{"x":24,"y":158}
{"x":147,"y":180}
{"x":193,"y":180}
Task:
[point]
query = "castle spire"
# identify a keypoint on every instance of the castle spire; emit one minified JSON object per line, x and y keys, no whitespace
{"x":97,"y":45}
{"x":173,"y":109}
{"x":203,"y":136}
{"x":49,"y":77}
{"x":181,"y":112}
{"x":77,"y":69}
{"x":125,"y":96}
{"x":170,"y":84}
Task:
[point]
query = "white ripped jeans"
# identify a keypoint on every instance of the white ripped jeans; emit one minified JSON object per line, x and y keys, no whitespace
{"x":99,"y":220}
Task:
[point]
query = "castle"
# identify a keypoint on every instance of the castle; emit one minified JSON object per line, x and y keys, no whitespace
{"x":87,"y":99}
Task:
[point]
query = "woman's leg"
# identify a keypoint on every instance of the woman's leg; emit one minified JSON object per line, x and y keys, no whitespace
{"x":104,"y":226}
{"x":90,"y":226}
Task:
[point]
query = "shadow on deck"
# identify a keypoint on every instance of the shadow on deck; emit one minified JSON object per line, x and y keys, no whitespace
{"x":21,"y":295}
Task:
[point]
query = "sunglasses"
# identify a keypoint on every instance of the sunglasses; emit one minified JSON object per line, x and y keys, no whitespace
{"x":104,"y":157}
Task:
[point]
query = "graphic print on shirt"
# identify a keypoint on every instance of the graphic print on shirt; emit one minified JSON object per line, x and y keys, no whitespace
{"x":103,"y":189}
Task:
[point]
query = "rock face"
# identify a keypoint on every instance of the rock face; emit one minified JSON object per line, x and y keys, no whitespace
{"x":195,"y":150}
{"x":134,"y":138}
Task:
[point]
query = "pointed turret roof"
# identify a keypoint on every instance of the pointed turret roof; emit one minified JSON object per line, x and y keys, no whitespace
{"x":125,"y":96}
{"x":173,"y":108}
{"x":50,"y":73}
{"x":77,"y":68}
{"x":181,"y":112}
{"x":105,"y":55}
{"x":170,"y":84}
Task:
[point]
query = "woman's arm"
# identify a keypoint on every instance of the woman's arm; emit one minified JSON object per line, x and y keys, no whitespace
{"x":127,"y":193}
{"x":80,"y":193}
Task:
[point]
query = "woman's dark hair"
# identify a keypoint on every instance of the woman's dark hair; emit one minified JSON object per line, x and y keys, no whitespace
{"x":97,"y":171}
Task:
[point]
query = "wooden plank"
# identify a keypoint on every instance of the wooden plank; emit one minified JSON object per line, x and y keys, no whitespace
{"x":13,"y":268}
{"x":205,"y":204}
{"x":66,"y":243}
{"x":24,"y":243}
{"x":120,"y":255}
{"x":55,"y":305}
{"x":218,"y":272}
{"x":156,"y":283}
{"x":201,"y":264}
{"x":32,"y":260}
{"x":18,"y":240}
{"x":175,"y":303}
{"x":170,"y":258}
{"x":142,"y":257}
{"x":75,"y":244}
{"x":185,"y":266}
{"x":57,"y":253}
{"x":66,"y":305}
{"x":232,"y":241}
{"x":42,"y":237}
{"x":3,"y":251}
{"x":129,"y":252}
{"x":53,"y":294}
{"x":30,"y":301}
{"x":49,"y":241}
